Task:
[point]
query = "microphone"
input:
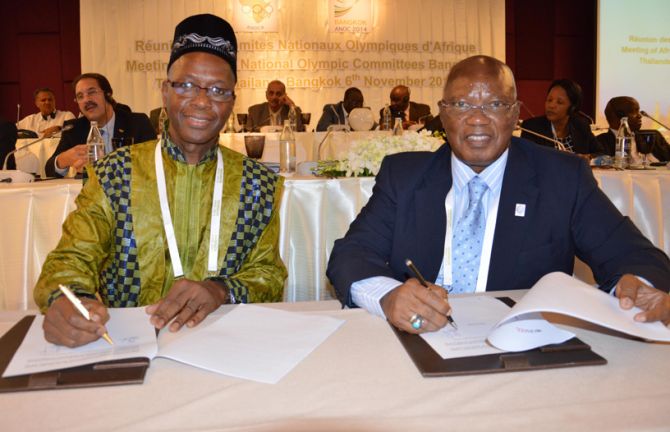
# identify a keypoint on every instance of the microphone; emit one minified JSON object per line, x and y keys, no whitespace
{"x":318,"y":150}
{"x":559,"y":145}
{"x":339,"y":120}
{"x":424,"y":119}
{"x":592,"y":123}
{"x":526,"y":108}
{"x":18,"y":113}
{"x":644,"y":113}
{"x":65,"y":128}
{"x":583,"y":114}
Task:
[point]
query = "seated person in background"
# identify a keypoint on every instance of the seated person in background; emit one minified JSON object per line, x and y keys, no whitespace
{"x":626,"y":106}
{"x":546,"y":205}
{"x":49,"y":120}
{"x":274,"y":111}
{"x":131,"y":266}
{"x":93,"y":94}
{"x":562,"y":122}
{"x":434,"y":125}
{"x":338,"y":113}
{"x":410,"y":112}
{"x":7,"y":142}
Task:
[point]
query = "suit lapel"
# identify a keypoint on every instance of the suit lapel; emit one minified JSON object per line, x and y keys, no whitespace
{"x":121,"y":124}
{"x":430,"y":216}
{"x":519,"y":187}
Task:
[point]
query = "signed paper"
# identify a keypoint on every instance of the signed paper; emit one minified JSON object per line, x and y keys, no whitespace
{"x":250,"y":342}
{"x":129,"y":328}
{"x":487,"y":326}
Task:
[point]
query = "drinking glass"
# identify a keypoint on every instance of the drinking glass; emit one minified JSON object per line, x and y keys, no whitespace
{"x":645,"y":143}
{"x":254,"y":145}
{"x":242,"y":120}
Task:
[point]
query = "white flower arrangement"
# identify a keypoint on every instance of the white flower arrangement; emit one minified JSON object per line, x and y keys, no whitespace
{"x":364,"y":157}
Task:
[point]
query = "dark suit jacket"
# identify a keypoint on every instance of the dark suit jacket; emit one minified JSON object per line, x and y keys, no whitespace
{"x":332,"y":114}
{"x":7,"y":142}
{"x":583,"y":141}
{"x":259,"y":115}
{"x":566,"y":215}
{"x":660,"y":149}
{"x":126,"y":124}
{"x":416,"y":111}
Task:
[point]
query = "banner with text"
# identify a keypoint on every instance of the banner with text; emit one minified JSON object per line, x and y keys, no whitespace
{"x":318,"y":48}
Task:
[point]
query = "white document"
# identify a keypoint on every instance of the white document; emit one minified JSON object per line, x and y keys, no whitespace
{"x":250,"y":342}
{"x":129,"y":328}
{"x":486,"y":327}
{"x":557,"y":292}
{"x":476,"y":317}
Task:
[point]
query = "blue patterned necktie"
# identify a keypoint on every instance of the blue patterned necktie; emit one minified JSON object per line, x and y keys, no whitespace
{"x":467,"y":240}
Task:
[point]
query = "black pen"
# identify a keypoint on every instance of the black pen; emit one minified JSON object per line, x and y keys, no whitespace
{"x":422,"y":281}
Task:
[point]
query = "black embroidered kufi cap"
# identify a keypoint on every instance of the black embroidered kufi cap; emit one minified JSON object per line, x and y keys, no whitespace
{"x":207,"y":33}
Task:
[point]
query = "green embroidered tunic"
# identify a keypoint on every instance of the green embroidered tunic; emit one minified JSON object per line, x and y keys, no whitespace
{"x":114,"y":243}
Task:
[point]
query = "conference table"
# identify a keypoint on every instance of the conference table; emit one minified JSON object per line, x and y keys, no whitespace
{"x":310,"y":146}
{"x":361,"y":379}
{"x":314,"y":213}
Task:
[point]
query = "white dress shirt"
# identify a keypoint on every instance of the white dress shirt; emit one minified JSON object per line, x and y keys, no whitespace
{"x":37,"y":123}
{"x":368,"y":292}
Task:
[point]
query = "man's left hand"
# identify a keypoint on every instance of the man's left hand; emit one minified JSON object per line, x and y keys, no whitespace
{"x":655,"y":304}
{"x":188,"y":302}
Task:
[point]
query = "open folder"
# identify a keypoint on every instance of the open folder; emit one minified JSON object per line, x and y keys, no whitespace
{"x":249,"y":342}
{"x":492,"y":337}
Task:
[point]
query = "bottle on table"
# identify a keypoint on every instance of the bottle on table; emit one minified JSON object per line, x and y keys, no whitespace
{"x":397,"y":126}
{"x":293,"y":118}
{"x":230,"y":124}
{"x":287,"y":156}
{"x":625,"y":140}
{"x":386,"y":118}
{"x":94,"y":143}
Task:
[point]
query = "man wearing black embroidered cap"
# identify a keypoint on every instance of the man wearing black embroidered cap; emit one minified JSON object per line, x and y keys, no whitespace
{"x":147,"y":228}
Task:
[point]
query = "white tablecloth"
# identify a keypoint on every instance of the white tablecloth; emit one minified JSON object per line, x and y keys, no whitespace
{"x":314,"y":213}
{"x":333,"y":146}
{"x":33,"y":158}
{"x":361,"y":379}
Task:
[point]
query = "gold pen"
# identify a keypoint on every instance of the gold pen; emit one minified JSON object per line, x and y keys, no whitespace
{"x":422,"y":281}
{"x":80,"y":307}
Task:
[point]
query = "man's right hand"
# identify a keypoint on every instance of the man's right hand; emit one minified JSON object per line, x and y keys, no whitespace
{"x":410,"y":298}
{"x":64,"y":325}
{"x":76,"y":157}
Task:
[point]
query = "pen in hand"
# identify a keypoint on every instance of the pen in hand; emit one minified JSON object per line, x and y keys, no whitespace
{"x":80,"y":307}
{"x":410,"y":265}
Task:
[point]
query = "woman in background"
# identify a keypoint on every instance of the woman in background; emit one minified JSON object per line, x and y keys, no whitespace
{"x":562,"y":122}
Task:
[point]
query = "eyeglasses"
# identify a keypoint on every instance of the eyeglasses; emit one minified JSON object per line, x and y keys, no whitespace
{"x":490,"y":108}
{"x":88,"y":93}
{"x":191,"y":90}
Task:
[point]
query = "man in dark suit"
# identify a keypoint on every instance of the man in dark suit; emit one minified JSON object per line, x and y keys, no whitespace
{"x":7,"y":142}
{"x":93,"y":94}
{"x":274,"y":111}
{"x":337,"y":114}
{"x":525,"y":210}
{"x":626,"y":106}
{"x":410,"y":112}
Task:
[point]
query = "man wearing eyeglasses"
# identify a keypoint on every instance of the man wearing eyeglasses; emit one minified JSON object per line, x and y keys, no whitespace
{"x":487,"y":212}
{"x":275,"y":110}
{"x":182,"y":225}
{"x":93,"y":94}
